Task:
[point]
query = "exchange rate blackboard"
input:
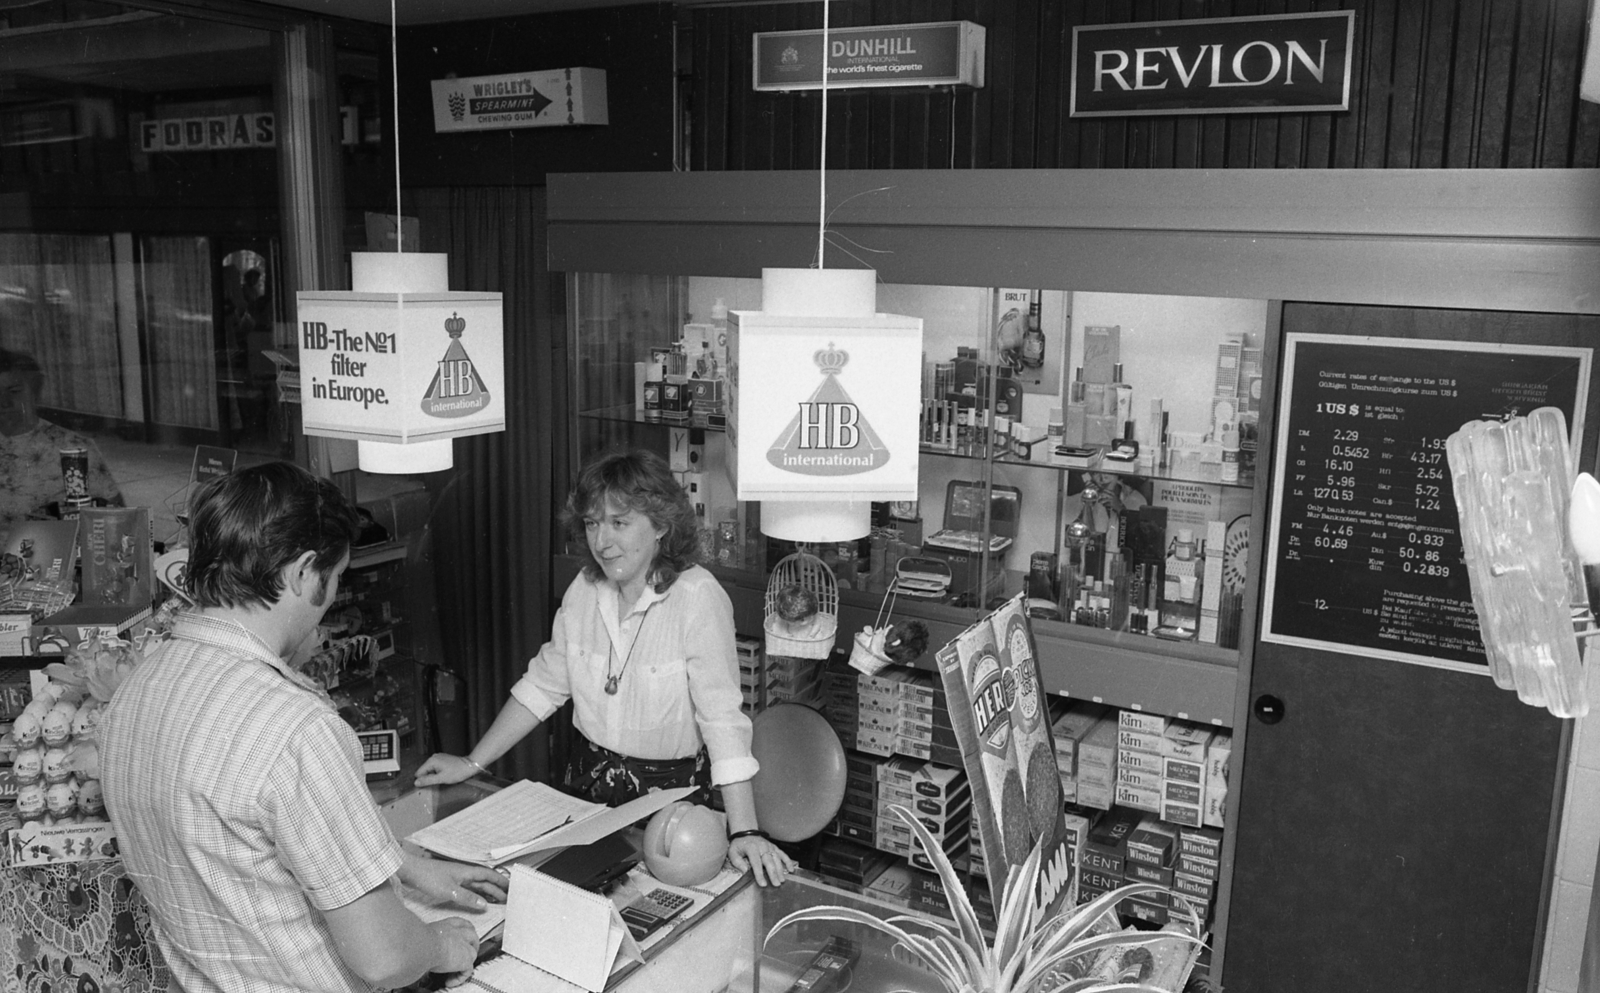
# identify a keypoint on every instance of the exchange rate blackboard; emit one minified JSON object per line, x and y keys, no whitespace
{"x":1365,"y":548}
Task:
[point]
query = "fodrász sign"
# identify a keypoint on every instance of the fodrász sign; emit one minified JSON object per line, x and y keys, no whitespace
{"x":1228,"y":65}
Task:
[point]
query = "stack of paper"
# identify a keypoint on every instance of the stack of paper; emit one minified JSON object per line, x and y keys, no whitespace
{"x":528,"y":817}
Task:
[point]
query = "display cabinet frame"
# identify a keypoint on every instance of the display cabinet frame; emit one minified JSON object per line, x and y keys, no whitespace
{"x":1410,"y":238}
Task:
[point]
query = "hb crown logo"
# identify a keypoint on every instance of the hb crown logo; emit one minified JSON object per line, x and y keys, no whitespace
{"x":828,"y":435}
{"x":456,"y":389}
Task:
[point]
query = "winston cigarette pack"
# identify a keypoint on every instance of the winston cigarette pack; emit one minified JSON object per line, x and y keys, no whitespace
{"x":1001,"y":719}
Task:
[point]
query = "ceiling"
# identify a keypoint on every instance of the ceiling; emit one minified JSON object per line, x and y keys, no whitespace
{"x":436,"y":11}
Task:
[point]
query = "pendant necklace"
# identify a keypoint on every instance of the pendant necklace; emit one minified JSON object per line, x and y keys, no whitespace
{"x":612,"y":681}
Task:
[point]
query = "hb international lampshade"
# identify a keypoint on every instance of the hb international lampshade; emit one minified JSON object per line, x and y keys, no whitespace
{"x":400,"y":364}
{"x":824,"y":414}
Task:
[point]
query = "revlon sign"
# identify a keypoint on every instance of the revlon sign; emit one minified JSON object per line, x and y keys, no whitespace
{"x":1227,"y":65}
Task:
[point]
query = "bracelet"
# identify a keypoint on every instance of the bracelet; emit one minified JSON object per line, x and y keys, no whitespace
{"x":747,"y":833}
{"x":469,"y":761}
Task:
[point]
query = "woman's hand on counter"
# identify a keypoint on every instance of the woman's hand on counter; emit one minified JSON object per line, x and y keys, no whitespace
{"x":442,"y":769}
{"x":451,"y":884}
{"x":766,"y":860}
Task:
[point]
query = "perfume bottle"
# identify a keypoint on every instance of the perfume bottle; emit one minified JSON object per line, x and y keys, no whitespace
{"x":1033,"y":337}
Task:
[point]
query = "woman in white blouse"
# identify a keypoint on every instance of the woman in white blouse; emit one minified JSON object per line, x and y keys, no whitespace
{"x":644,"y":647}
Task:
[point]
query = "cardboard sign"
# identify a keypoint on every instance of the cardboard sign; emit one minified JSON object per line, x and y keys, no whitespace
{"x":825,"y":405}
{"x":543,"y":99}
{"x":399,"y":367}
{"x":35,"y":844}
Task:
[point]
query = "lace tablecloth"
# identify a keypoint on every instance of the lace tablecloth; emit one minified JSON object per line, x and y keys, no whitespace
{"x":79,"y":927}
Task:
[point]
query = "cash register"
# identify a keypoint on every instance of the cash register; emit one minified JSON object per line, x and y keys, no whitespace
{"x":962,"y":540}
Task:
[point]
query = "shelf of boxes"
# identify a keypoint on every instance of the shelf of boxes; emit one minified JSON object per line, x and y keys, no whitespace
{"x":1144,"y":796}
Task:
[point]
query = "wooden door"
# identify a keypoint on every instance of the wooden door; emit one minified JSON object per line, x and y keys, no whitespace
{"x":1396,"y":821}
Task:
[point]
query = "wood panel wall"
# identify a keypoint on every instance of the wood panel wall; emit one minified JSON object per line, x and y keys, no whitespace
{"x":1439,"y":84}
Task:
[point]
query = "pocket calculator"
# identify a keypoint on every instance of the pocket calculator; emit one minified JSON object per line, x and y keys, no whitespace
{"x":646,"y":914}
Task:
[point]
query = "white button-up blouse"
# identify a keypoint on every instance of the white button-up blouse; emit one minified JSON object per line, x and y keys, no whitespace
{"x":679,"y":675}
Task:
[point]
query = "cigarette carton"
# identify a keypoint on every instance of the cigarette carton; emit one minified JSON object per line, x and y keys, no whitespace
{"x":1186,"y":814}
{"x":1150,"y":913}
{"x":1134,"y":778}
{"x":1139,"y":720}
{"x":1152,"y":843}
{"x":1186,"y":741}
{"x":1141,"y":741}
{"x":1191,"y":794}
{"x":1218,"y":754}
{"x":1199,"y":888}
{"x":1077,"y":829}
{"x":1148,"y":763}
{"x":1096,"y":795}
{"x":1139,"y":872}
{"x":893,"y":884}
{"x":1195,"y":865}
{"x":1204,"y":842}
{"x":1216,"y":808}
{"x":1183,"y":771}
{"x":1138,"y":799}
{"x":874,"y":742}
{"x":1069,"y":790}
{"x":1098,"y":748}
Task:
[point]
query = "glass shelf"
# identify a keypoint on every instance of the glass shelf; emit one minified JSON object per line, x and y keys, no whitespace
{"x":1206,"y":472}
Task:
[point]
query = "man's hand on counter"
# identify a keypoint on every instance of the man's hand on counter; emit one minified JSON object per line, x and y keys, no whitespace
{"x":451,"y":884}
{"x":458,"y":949}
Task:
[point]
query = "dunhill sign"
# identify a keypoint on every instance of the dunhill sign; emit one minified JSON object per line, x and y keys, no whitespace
{"x":1285,"y":63}
{"x":940,"y":53}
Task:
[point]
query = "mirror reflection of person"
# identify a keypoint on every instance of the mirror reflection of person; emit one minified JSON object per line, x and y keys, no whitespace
{"x":30,"y":448}
{"x":643,"y":646}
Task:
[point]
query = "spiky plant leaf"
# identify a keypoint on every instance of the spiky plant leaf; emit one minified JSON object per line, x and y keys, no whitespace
{"x":955,"y":894}
{"x":1027,"y":949}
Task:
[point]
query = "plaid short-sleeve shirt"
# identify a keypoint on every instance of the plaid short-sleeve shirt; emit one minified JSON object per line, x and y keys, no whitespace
{"x":242,"y":812}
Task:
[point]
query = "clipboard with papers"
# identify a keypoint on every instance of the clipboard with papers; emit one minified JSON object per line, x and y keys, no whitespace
{"x":528,"y":817}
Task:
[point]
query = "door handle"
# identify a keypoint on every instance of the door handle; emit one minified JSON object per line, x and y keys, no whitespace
{"x":1268,"y":709}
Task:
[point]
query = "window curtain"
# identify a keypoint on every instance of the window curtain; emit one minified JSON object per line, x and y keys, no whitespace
{"x":493,"y":513}
{"x":59,"y":305}
{"x":180,"y":331}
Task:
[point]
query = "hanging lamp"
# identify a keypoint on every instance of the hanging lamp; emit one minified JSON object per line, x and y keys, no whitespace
{"x":823,"y":412}
{"x":400,"y":363}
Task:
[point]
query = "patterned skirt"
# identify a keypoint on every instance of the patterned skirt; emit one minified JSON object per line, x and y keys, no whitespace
{"x":600,"y":775}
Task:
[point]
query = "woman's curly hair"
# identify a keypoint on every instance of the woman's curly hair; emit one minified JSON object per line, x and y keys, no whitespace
{"x":639,"y":480}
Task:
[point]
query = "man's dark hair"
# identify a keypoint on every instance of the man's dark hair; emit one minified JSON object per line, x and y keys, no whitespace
{"x":246,"y":526}
{"x":23,"y":364}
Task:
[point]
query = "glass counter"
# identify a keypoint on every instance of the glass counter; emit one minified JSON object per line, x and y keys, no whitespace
{"x":879,"y":966}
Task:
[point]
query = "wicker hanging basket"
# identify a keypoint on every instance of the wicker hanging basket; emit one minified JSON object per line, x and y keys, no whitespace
{"x":808,"y":637}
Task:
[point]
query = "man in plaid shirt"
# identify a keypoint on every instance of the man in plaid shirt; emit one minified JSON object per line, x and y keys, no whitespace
{"x":236,"y":790}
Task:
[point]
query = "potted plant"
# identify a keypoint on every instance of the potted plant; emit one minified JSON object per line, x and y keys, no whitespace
{"x":1079,"y":950}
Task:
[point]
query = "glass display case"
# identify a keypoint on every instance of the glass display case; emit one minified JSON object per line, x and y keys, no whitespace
{"x":1102,"y":446}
